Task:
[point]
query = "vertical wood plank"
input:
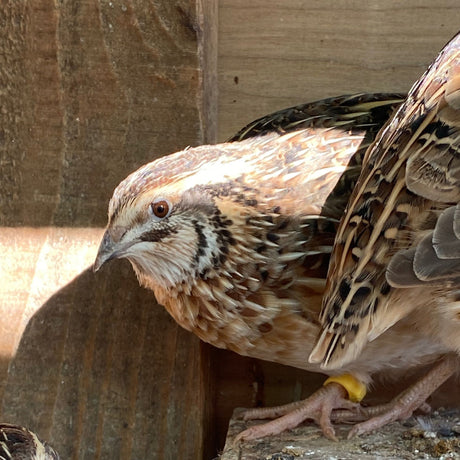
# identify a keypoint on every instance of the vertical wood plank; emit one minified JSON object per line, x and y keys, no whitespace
{"x":276,"y":54}
{"x":208,"y":11}
{"x":90,"y":91}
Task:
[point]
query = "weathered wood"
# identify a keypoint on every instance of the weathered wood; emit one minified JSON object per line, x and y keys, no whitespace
{"x":429,"y":437}
{"x":208,"y":34}
{"x":91,"y":90}
{"x":276,"y":54}
{"x":100,"y":370}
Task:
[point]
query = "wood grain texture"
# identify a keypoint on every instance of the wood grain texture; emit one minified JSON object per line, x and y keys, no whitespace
{"x":208,"y":34}
{"x":91,"y":90}
{"x":276,"y":54}
{"x":100,"y":370}
{"x":429,"y":437}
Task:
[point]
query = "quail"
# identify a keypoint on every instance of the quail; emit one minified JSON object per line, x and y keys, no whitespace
{"x":234,"y":239}
{"x":19,"y":443}
{"x":397,"y":252}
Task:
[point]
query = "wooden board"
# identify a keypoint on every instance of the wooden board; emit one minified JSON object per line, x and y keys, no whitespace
{"x":428,"y":437}
{"x":276,"y":54}
{"x":94,"y":365}
{"x":91,"y":90}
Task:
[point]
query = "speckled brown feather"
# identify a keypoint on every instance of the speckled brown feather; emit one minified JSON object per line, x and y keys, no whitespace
{"x":273,"y":244}
{"x":385,"y":240}
{"x":19,"y":443}
{"x":240,"y":251}
{"x":241,"y":261}
{"x":270,"y":199}
{"x":354,"y":118}
{"x":359,"y":114}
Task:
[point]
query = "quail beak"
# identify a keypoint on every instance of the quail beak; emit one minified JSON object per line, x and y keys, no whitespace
{"x":105,"y":252}
{"x":109,"y":249}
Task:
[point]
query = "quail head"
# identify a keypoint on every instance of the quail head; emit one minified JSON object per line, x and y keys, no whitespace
{"x":234,"y":240}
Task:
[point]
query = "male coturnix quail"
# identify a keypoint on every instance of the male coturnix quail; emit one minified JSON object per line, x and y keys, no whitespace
{"x":234,"y":239}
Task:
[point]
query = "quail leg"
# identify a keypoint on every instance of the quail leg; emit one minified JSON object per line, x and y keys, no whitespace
{"x":331,"y":404}
{"x":407,"y":402}
{"x":317,"y":407}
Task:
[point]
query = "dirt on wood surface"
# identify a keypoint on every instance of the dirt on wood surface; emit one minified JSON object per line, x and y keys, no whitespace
{"x":432,"y":436}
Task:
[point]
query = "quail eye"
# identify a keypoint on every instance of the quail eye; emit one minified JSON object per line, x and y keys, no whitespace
{"x":160,"y":208}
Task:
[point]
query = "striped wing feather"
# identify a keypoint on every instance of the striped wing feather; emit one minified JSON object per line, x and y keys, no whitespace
{"x":362,"y":114}
{"x":390,"y":235}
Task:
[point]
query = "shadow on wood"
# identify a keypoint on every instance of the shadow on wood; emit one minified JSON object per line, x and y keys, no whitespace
{"x":103,"y":372}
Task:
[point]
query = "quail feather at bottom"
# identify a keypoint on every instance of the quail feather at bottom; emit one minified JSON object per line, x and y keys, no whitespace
{"x":19,"y":443}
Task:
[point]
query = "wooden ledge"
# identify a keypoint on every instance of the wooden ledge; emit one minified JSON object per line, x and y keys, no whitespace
{"x":432,"y":436}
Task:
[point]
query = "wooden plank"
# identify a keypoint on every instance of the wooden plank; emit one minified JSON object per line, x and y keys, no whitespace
{"x":429,"y":437}
{"x":90,"y":91}
{"x":100,"y":370}
{"x":276,"y":54}
{"x":208,"y":53}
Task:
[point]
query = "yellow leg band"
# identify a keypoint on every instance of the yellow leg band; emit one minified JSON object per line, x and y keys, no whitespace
{"x":355,"y":389}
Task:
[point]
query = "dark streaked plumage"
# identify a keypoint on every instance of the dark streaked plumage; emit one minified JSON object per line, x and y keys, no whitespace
{"x":248,"y":232}
{"x":397,"y":249}
{"x":355,"y":112}
{"x":362,"y":114}
{"x":19,"y":443}
{"x":234,"y":239}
